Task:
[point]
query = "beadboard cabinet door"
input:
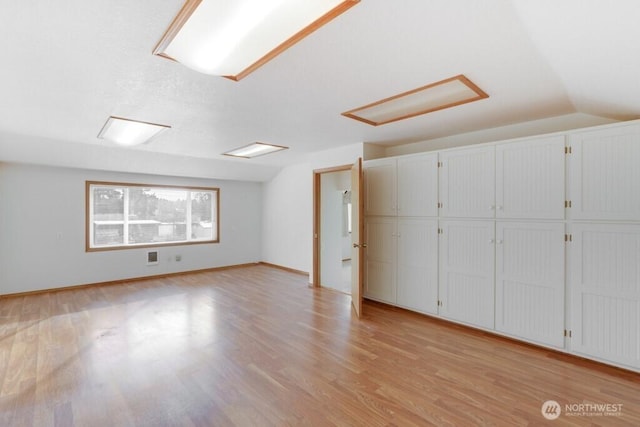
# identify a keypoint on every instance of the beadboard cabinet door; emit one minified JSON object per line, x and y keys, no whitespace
{"x":605,"y":174}
{"x":530,"y":178}
{"x":380,"y":187}
{"x":467,"y":183}
{"x":530,"y":301}
{"x":467,"y":271}
{"x":380,"y":259}
{"x":417,"y":264}
{"x":418,"y":185}
{"x":605,"y":292}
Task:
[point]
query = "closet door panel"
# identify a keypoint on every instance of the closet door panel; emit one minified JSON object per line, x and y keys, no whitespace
{"x":418,"y":185}
{"x":418,"y":264}
{"x":380,"y":195}
{"x":380,"y":259}
{"x":530,"y":281}
{"x":467,"y":254}
{"x":605,"y":176}
{"x":530,"y":179}
{"x":605,"y":292}
{"x":467,"y":183}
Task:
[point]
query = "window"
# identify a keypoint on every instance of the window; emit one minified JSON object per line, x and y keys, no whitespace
{"x":133,"y":215}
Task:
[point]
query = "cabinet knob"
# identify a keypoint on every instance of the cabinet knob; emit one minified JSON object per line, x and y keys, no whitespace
{"x":499,"y":207}
{"x":491,"y":241}
{"x":499,"y":242}
{"x":492,"y":207}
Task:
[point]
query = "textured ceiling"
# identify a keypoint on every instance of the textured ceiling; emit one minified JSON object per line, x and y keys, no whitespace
{"x":67,"y":65}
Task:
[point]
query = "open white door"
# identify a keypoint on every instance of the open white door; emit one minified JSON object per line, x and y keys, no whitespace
{"x":357,"y":234}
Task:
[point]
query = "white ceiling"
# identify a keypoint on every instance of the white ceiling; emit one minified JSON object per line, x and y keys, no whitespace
{"x":69,"y":64}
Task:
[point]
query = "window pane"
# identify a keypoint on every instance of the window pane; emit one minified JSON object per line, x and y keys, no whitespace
{"x":157,"y":215}
{"x":108,"y":216}
{"x":202,"y":224}
{"x":129,"y":214}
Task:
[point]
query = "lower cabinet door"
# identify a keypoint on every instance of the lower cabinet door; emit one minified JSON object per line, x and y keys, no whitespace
{"x":530,"y":281}
{"x":467,"y":271}
{"x":417,"y":264}
{"x":380,"y":259}
{"x":605,"y":292}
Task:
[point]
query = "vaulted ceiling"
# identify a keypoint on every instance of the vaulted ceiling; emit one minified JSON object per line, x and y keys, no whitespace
{"x":67,"y":65}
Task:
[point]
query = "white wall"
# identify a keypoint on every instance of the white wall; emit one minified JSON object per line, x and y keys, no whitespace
{"x":532,"y":128}
{"x":51,"y":152}
{"x":288,"y":209}
{"x":42,"y":230}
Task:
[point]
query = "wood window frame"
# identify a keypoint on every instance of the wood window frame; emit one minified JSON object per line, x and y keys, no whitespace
{"x":88,"y":215}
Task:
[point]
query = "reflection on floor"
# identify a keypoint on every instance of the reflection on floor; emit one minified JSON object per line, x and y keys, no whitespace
{"x":345,"y":279}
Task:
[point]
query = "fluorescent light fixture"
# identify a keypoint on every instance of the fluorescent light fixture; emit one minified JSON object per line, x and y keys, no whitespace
{"x":232,"y":38}
{"x":254,"y":150}
{"x":128,"y":132}
{"x":436,"y":96}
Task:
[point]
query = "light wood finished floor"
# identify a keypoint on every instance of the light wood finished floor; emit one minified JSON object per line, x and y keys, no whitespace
{"x":256,"y":346}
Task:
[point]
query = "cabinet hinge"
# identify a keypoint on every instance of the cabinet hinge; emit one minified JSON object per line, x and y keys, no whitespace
{"x":567,"y":203}
{"x":567,"y":333}
{"x":567,"y":150}
{"x":568,"y":238}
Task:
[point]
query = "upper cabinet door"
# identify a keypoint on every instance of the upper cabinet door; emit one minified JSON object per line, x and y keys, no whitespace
{"x":530,"y":179}
{"x":605,"y":174}
{"x":418,"y":185}
{"x":380,"y":196}
{"x":467,"y":183}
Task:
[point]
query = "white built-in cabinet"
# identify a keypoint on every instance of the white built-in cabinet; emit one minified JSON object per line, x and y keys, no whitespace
{"x":401,"y":264}
{"x":530,"y":179}
{"x":530,"y":280}
{"x":537,"y":239}
{"x":380,"y":259}
{"x":605,"y":174}
{"x":467,"y":271}
{"x":467,"y":183}
{"x":380,"y":188}
{"x":605,"y":291}
{"x":401,"y":229}
{"x":417,"y":186}
{"x":417,"y":264}
{"x":407,"y":186}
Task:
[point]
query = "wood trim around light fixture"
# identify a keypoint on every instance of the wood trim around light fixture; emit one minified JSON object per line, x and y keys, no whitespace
{"x":323,"y":20}
{"x":174,"y":28}
{"x":191,"y":5}
{"x":281,"y":147}
{"x":461,"y":77}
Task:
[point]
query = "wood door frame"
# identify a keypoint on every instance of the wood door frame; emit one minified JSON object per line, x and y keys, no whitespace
{"x":317,"y":210}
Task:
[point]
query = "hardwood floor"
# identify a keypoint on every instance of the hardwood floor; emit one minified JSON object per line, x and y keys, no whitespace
{"x":257,"y":346}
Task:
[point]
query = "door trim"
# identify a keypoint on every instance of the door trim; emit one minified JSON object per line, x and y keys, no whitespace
{"x":317,"y":173}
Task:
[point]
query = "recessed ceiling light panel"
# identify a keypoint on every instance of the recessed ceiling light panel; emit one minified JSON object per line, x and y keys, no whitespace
{"x":254,"y":150}
{"x":128,"y":132}
{"x":232,"y":38}
{"x":436,"y":96}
